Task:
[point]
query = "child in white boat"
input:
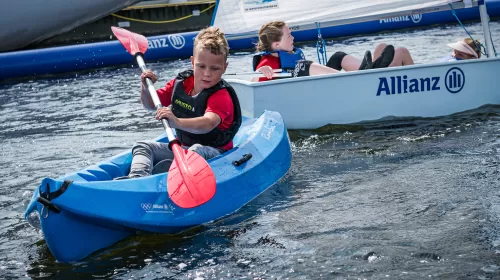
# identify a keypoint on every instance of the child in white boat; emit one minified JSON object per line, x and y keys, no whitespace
{"x":276,"y":41}
{"x":464,"y":49}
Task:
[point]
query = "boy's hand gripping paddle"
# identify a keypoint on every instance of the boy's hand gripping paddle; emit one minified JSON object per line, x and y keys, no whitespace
{"x":191,"y":181}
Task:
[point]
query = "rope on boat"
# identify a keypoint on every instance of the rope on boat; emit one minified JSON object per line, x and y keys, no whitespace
{"x":480,"y":48}
{"x":163,"y":21}
{"x":320,"y":46}
{"x":46,"y":196}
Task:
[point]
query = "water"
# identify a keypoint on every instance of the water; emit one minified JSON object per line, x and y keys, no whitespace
{"x":391,"y":199}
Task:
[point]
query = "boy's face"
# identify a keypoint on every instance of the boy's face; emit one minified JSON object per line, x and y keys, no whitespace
{"x":208,"y":68}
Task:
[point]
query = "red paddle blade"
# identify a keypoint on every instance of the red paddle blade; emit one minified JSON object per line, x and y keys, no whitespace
{"x":191,"y":181}
{"x":133,"y":42}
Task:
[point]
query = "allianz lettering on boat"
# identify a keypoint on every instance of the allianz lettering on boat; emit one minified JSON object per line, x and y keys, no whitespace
{"x":453,"y":81}
{"x":416,"y":18}
{"x":176,"y":41}
{"x":268,"y":130}
{"x":158,"y":208}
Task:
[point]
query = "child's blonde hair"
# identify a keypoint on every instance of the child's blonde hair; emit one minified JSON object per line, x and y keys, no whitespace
{"x":475,"y":45}
{"x":212,"y":39}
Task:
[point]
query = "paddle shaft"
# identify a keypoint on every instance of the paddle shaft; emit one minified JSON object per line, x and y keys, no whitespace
{"x":176,"y":149}
{"x":154,"y":96}
{"x":191,"y":181}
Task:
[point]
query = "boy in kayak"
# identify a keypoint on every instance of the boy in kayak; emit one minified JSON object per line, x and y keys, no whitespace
{"x":202,"y":108}
{"x":276,"y":45}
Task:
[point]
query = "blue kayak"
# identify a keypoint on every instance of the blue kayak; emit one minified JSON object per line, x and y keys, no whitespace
{"x":82,"y":212}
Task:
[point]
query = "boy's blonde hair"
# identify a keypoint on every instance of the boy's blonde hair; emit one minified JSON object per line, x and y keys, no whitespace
{"x":212,"y":39}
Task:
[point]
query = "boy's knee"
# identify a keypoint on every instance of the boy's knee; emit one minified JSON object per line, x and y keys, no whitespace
{"x":206,"y":152}
{"x":141,"y":145}
{"x":403,"y":51}
{"x":335,"y":60}
{"x":196,"y":147}
{"x":381,"y":46}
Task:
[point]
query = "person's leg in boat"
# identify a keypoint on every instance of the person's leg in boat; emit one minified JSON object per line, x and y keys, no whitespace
{"x":341,"y":60}
{"x":309,"y":68}
{"x":207,"y":152}
{"x":402,"y":56}
{"x":145,"y":154}
{"x":385,"y":58}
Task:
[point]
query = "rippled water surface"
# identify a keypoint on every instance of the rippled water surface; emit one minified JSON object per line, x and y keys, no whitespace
{"x":387,"y":199}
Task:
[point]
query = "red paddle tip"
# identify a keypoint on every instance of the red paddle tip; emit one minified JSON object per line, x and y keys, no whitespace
{"x":133,"y":42}
{"x":191,"y":181}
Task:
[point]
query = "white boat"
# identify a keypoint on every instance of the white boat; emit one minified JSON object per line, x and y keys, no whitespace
{"x":426,"y":90}
{"x":28,"y":21}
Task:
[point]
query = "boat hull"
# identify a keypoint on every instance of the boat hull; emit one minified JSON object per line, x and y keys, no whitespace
{"x":27,"y":21}
{"x":96,"y":211}
{"x":428,"y":90}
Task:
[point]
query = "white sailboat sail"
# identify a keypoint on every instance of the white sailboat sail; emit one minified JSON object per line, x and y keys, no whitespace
{"x":242,"y":18}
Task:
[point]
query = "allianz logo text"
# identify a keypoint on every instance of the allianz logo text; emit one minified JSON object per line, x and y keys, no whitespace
{"x":176,"y":41}
{"x":416,"y":18}
{"x":157,"y":43}
{"x":454,"y":81}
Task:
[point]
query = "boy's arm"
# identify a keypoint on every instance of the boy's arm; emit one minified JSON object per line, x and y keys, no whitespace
{"x":266,"y":66}
{"x":219,"y":107}
{"x":164,"y":94}
{"x":146,"y":99}
{"x":199,"y":125}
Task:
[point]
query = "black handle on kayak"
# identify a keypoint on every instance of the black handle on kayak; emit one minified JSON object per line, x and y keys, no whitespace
{"x":49,"y":204}
{"x":242,"y":160}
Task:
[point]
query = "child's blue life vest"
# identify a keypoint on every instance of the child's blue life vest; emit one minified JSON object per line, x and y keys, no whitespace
{"x":288,"y":60}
